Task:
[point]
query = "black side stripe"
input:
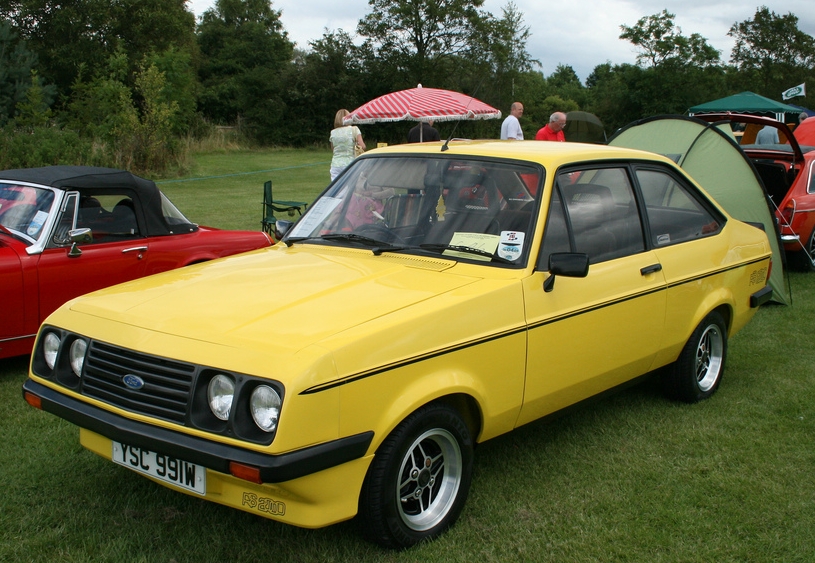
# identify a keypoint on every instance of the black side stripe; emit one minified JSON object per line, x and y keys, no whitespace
{"x":408,"y":361}
{"x":511,"y":332}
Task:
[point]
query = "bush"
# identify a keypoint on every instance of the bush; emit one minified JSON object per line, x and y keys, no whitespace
{"x":44,"y":146}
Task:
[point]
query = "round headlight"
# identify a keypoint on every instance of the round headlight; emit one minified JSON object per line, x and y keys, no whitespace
{"x":220,"y":392}
{"x":78,"y":349}
{"x":50,"y":348}
{"x":265,"y":406}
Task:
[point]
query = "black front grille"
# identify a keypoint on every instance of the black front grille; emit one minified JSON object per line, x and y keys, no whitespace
{"x":167,"y":383}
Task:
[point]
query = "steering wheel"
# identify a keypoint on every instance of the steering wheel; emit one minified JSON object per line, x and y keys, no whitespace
{"x":379,"y":231}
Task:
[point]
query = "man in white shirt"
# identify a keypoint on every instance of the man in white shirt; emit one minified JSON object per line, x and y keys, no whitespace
{"x":511,"y":127}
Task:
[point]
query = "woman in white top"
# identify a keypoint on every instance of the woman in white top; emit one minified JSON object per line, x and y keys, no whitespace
{"x":343,"y":138}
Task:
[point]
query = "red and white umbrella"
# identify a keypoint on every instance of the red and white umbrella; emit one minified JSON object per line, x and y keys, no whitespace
{"x":421,"y":104}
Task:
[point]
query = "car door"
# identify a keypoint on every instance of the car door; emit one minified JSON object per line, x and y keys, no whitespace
{"x":115,"y":255}
{"x":11,"y":286}
{"x":679,"y":220}
{"x":590,"y":334}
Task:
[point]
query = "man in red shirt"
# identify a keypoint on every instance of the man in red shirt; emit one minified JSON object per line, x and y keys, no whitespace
{"x":553,"y":131}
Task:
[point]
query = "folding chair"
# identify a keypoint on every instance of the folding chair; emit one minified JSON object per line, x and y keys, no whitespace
{"x":270,"y":207}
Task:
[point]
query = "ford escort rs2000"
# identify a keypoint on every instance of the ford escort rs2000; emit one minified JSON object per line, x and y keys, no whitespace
{"x":433,"y":297}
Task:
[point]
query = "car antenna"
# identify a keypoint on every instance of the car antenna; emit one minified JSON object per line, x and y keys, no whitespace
{"x":444,"y":147}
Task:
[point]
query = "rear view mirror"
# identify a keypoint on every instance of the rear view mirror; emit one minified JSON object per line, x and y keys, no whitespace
{"x":76,"y":237}
{"x":569,"y":264}
{"x":281,"y":227}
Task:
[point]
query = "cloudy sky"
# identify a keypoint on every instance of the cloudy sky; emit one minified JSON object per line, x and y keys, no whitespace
{"x":580,"y":33}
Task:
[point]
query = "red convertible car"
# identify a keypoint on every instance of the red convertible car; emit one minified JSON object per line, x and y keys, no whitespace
{"x":69,"y":230}
{"x":787,"y":169}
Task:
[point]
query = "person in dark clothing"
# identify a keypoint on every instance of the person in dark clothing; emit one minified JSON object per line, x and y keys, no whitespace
{"x":423,"y":132}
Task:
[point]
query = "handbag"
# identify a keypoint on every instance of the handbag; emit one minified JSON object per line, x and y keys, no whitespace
{"x":358,"y":150}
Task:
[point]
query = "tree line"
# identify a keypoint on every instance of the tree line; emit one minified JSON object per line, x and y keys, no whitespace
{"x":126,"y":83}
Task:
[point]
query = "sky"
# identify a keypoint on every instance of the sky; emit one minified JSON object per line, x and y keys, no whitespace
{"x":578,"y":33}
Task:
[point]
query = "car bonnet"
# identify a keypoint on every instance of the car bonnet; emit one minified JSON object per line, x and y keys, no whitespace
{"x":278,"y":299}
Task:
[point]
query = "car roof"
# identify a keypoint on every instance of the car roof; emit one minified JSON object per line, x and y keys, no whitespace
{"x":547,"y":153}
{"x":98,"y":180}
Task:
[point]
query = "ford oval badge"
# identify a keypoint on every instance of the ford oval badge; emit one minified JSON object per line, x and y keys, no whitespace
{"x":133,"y":381}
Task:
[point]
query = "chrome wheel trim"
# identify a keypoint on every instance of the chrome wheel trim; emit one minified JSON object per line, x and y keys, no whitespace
{"x":709,"y":354}
{"x":429,"y":479}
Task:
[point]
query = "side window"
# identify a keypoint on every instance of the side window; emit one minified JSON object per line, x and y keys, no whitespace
{"x":811,"y":188}
{"x":602,"y":213}
{"x":66,"y":222}
{"x":556,"y":233}
{"x":674,"y":215}
{"x":110,"y":217}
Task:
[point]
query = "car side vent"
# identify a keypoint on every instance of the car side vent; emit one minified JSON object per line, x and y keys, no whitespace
{"x":137,"y":382}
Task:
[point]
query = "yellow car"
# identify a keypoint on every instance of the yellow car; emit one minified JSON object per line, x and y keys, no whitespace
{"x":435,"y":296}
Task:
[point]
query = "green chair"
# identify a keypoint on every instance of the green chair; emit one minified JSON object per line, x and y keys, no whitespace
{"x":270,"y":207}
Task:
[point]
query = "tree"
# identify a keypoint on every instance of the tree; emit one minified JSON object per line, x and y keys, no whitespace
{"x":245,"y":53}
{"x":504,"y":50}
{"x":74,"y":34}
{"x":34,"y":111}
{"x":16,"y":65}
{"x":673,"y":73}
{"x":772,"y":51}
{"x":421,"y":36}
{"x":661,"y":41}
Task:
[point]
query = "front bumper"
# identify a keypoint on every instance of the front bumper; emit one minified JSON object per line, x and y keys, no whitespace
{"x":274,"y":468}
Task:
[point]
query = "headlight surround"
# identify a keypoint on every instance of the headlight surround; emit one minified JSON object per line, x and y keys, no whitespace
{"x":264,"y":404}
{"x":50,"y":349}
{"x":220,"y":394}
{"x":77,"y":355}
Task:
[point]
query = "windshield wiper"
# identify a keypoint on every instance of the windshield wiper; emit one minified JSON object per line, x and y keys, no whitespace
{"x":353,"y":237}
{"x":465,"y":249}
{"x":378,"y":245}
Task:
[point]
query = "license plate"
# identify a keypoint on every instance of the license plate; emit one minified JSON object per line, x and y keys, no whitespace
{"x":178,"y":472}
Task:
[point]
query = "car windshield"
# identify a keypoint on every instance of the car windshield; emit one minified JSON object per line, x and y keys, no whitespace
{"x":24,"y":210}
{"x":460,"y":208}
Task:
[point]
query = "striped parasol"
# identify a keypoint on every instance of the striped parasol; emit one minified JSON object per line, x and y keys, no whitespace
{"x":421,"y":104}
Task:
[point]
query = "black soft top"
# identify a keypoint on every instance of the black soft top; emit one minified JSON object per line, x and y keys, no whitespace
{"x":95,"y":180}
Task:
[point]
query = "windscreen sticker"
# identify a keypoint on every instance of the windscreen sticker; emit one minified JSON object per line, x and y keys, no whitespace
{"x":36,"y":223}
{"x":315,"y":216}
{"x":511,"y":245}
{"x":480,"y":241}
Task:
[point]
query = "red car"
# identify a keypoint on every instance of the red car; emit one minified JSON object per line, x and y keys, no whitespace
{"x":69,"y":230}
{"x":787,"y":170}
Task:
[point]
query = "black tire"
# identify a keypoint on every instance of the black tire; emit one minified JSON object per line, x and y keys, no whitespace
{"x":419,"y":479}
{"x":698,"y":371}
{"x":800,"y":260}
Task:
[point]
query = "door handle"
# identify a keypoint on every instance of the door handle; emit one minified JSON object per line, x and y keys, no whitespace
{"x":653,"y":268}
{"x":138,"y":249}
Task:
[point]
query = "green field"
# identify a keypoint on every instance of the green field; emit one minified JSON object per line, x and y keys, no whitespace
{"x":628,"y":478}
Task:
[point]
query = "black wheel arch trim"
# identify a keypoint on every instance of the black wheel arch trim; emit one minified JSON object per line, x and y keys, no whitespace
{"x":274,"y":468}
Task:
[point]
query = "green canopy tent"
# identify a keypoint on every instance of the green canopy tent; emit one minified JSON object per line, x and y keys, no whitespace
{"x":748,"y":102}
{"x":711,"y":156}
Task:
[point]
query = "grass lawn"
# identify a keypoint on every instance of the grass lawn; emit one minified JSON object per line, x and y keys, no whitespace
{"x":631,"y":477}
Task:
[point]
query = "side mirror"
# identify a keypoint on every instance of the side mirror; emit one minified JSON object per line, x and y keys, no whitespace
{"x":76,"y":237}
{"x":281,"y":227}
{"x":569,"y":264}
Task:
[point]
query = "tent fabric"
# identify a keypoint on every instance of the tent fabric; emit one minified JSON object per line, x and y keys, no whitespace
{"x":711,"y":156}
{"x":746,"y":102}
{"x":800,"y":109}
{"x":805,"y":132}
{"x":584,"y":127}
